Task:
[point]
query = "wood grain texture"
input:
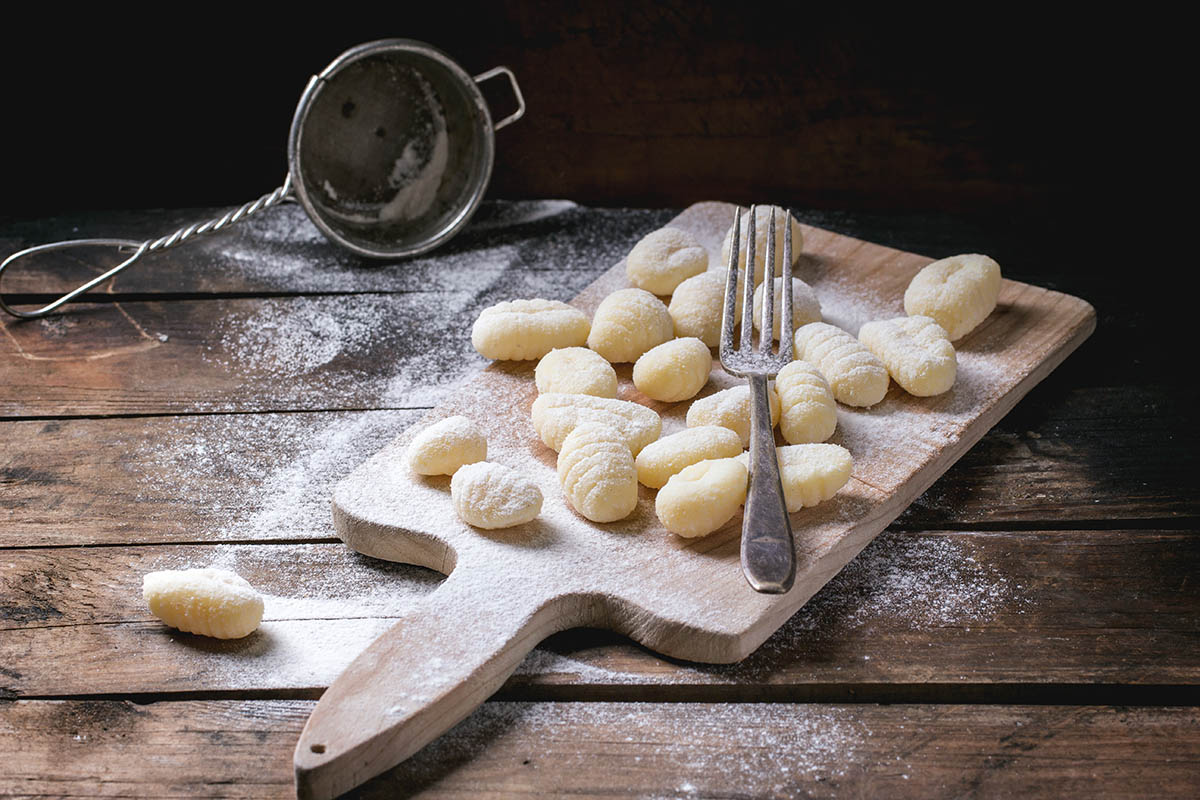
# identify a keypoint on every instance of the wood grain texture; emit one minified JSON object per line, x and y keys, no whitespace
{"x":980,"y":615}
{"x":594,"y":750}
{"x":683,"y":599}
{"x":1063,"y":457}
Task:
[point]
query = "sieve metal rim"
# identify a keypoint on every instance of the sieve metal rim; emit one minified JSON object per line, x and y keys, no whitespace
{"x":479,"y":104}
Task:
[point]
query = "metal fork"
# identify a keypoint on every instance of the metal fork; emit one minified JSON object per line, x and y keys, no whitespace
{"x":768,"y":553}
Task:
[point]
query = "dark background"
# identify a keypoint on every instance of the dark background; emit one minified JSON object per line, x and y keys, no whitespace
{"x":1040,"y":115}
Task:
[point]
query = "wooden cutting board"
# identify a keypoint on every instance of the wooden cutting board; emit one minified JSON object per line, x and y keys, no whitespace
{"x":687,"y":599}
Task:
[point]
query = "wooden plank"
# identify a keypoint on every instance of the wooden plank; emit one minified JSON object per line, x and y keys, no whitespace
{"x":295,"y":353}
{"x":1065,"y":456}
{"x":930,"y":613}
{"x":281,"y":251}
{"x":242,"y":749}
{"x":193,"y":478}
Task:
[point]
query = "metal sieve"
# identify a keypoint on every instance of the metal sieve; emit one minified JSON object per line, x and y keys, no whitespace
{"x":390,"y":152}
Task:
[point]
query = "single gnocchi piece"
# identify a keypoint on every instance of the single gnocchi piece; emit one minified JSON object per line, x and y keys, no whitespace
{"x":670,"y":454}
{"x":674,"y":370}
{"x":445,"y":446}
{"x":855,"y":374}
{"x":810,"y":473}
{"x":575,"y":370}
{"x":916,"y":351}
{"x":808,"y":412}
{"x":702,"y":497}
{"x":805,"y":306}
{"x":489,"y":496}
{"x":762,"y":223}
{"x":696,"y":307}
{"x":597,"y":473}
{"x":730,"y":408}
{"x":665,"y":258}
{"x":957,"y":292}
{"x":523,"y":330}
{"x":556,"y":415}
{"x":627,"y":323}
{"x":210,"y":602}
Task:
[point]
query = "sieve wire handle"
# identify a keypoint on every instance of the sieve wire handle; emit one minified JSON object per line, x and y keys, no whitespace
{"x":138,"y":249}
{"x":516,"y":90}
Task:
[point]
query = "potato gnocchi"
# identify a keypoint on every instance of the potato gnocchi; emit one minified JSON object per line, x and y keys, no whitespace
{"x":665,"y":258}
{"x":522,"y":330}
{"x":855,"y":374}
{"x":696,"y":307}
{"x":810,"y":473}
{"x":445,"y":446}
{"x":659,"y":460}
{"x":808,"y":412}
{"x":957,"y":292}
{"x":730,"y":408}
{"x":489,"y":496}
{"x":210,"y":602}
{"x":673,"y":371}
{"x":597,"y":473}
{"x":762,"y":223}
{"x":556,"y":415}
{"x":627,"y":323}
{"x":575,"y":370}
{"x":916,"y":351}
{"x":702,"y":497}
{"x":805,"y":306}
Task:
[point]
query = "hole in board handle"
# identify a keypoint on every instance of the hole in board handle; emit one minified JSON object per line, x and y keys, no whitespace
{"x":317,"y":748}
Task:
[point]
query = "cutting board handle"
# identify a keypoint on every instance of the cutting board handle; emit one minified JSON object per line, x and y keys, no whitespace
{"x":420,"y":678}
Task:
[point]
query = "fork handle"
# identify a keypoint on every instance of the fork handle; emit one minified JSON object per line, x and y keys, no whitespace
{"x":768,"y":553}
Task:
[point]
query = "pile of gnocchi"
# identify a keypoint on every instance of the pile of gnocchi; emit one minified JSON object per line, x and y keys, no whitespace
{"x":607,"y":446}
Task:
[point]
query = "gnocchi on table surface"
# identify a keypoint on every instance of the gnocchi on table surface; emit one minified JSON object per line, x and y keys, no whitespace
{"x":489,"y":496}
{"x":808,"y":412}
{"x":673,"y":371}
{"x":855,"y":374}
{"x":210,"y":602}
{"x":659,"y":460}
{"x":629,"y":322}
{"x":522,"y":330}
{"x":762,"y":223}
{"x":597,"y":473}
{"x":663,"y":259}
{"x":730,"y":408}
{"x":958,"y":292}
{"x":702,"y":497}
{"x":445,"y":446}
{"x":575,"y":370}
{"x":810,"y":473}
{"x":916,"y":351}
{"x":556,"y":415}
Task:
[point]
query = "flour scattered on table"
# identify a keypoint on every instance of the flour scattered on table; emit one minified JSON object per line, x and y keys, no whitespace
{"x":293,"y":459}
{"x":778,"y":745}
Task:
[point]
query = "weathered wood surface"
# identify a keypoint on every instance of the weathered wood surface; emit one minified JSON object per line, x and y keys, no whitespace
{"x":1063,"y":457}
{"x":777,"y":750}
{"x":1054,"y":562}
{"x":979,"y":614}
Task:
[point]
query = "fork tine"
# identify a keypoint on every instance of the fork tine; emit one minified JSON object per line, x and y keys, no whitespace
{"x":727,"y":315}
{"x":767,"y":331}
{"x":748,"y":285}
{"x":785,"y":324}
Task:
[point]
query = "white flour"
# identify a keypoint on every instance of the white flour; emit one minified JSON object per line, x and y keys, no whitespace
{"x":330,"y":345}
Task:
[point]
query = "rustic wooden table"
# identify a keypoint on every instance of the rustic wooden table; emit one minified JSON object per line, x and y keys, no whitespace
{"x":1028,"y":627}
